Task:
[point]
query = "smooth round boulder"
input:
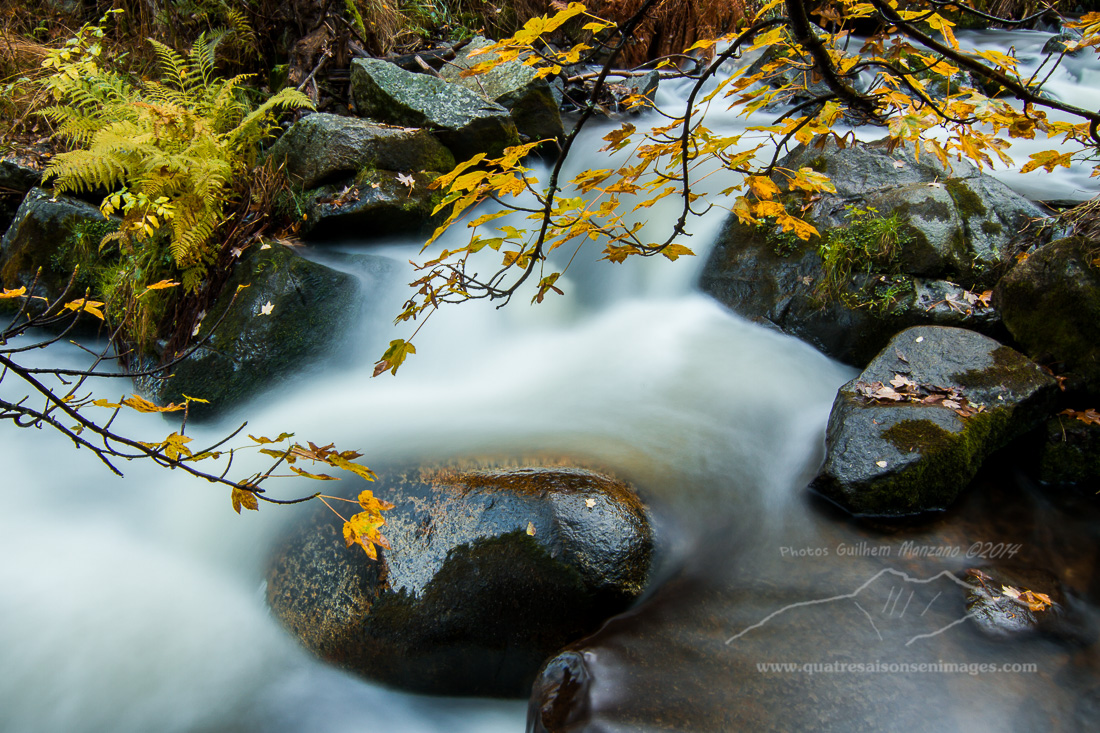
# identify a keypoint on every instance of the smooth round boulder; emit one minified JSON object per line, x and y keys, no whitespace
{"x":491,"y":571}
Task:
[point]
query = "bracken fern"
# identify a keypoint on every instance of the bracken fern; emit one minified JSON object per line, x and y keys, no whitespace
{"x":166,"y":151}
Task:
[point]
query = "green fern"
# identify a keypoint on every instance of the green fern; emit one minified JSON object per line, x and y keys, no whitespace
{"x":168,"y":149}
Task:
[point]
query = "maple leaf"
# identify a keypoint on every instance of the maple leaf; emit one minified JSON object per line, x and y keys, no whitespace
{"x":371,"y":503}
{"x":1089,"y":416}
{"x":900,"y":381}
{"x":266,"y":308}
{"x":406,"y":179}
{"x":87,"y":306}
{"x":243,"y":497}
{"x":362,"y":530}
{"x":590,"y":503}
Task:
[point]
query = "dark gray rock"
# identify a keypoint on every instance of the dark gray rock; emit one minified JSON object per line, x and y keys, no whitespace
{"x":1051,"y":305}
{"x":959,"y":231}
{"x":491,"y":571}
{"x":1070,"y":453}
{"x":308,"y":310}
{"x":463,"y":121}
{"x":325,"y":148}
{"x":377,"y":204}
{"x":512,"y":85}
{"x":905,"y":457}
{"x":32,"y":251}
{"x":997,"y":604}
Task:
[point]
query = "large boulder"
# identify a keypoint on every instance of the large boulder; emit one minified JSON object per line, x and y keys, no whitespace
{"x":955,"y":231}
{"x":278,"y":314}
{"x":34,"y":252}
{"x":465,"y":122}
{"x":514,"y":86}
{"x":325,"y":148}
{"x":17,"y":176}
{"x":377,"y":203}
{"x":491,"y":571}
{"x":908,"y":434}
{"x":1051,"y":304}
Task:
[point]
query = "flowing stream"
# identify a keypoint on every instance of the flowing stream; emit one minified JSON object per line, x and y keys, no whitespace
{"x":136,"y":604}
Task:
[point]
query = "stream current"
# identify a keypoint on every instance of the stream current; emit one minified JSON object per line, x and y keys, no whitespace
{"x":136,"y":604}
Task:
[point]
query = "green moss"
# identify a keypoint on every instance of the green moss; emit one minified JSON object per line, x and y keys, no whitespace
{"x":1010,"y":370}
{"x":948,"y":461}
{"x":922,"y":436}
{"x":819,"y":164}
{"x":992,"y":228}
{"x":968,"y":203}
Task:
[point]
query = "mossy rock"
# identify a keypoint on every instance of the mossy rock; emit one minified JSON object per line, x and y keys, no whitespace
{"x":514,"y":86}
{"x":324,"y":148}
{"x":465,"y":122}
{"x":288,"y":314}
{"x":957,"y":232}
{"x":1070,"y":453}
{"x":491,"y":571}
{"x":779,"y":283}
{"x":377,"y":204}
{"x":32,"y":250}
{"x":907,"y":458}
{"x":1051,"y":304}
{"x":16,"y":178}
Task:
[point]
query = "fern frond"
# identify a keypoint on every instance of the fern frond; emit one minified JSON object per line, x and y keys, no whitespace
{"x":83,"y":170}
{"x":242,"y":30}
{"x":174,"y":68}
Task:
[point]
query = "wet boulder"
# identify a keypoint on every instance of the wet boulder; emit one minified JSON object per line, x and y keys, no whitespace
{"x":463,"y":121}
{"x":324,"y":148}
{"x":34,"y":250}
{"x":898,"y":232}
{"x":1069,"y":452}
{"x":1051,"y":304}
{"x":910,"y":432}
{"x":17,"y":176}
{"x":377,"y":203}
{"x":491,"y":571}
{"x":278,"y":314}
{"x":514,"y":86}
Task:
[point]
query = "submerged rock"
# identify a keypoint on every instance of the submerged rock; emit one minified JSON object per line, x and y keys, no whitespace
{"x":325,"y":148}
{"x":1051,"y":304}
{"x":947,"y":399}
{"x":491,"y":571}
{"x":465,"y":122}
{"x":954,"y":232}
{"x":1015,"y":602}
{"x":292,"y":313}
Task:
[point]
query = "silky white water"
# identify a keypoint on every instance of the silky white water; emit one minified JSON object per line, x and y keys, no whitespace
{"x":135,"y":604}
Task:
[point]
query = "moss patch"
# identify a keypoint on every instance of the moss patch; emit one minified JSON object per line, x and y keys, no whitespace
{"x":968,"y":203}
{"x":1010,"y":370}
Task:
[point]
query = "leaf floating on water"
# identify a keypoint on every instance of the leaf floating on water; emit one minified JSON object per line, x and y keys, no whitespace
{"x":531,"y":528}
{"x":881,"y":464}
{"x":590,"y":503}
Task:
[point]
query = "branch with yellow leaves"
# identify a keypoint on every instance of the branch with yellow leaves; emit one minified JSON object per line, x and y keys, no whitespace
{"x":55,"y":398}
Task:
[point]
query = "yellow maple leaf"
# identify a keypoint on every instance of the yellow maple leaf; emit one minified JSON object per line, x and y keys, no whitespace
{"x":242,"y":497}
